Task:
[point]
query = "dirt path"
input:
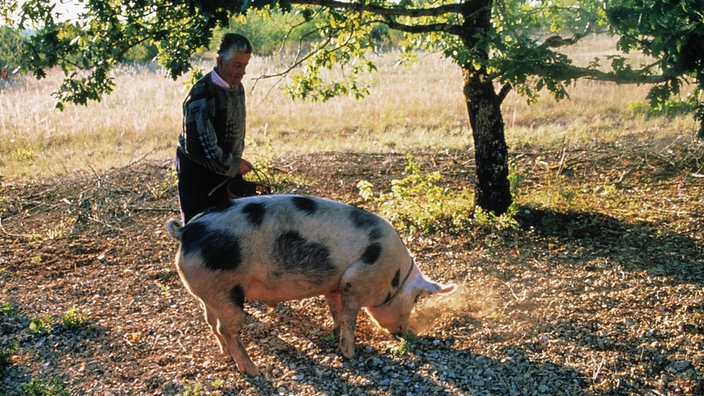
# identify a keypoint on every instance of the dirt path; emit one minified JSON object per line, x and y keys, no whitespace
{"x":608,"y":300}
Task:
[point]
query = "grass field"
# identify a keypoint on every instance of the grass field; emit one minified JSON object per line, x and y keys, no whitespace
{"x":409,"y":109}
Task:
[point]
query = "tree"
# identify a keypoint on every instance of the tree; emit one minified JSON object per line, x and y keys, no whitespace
{"x":672,"y":32}
{"x":500,"y":45}
{"x":10,"y":44}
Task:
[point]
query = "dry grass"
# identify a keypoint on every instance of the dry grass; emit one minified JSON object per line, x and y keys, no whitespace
{"x":139,"y":119}
{"x":409,"y":108}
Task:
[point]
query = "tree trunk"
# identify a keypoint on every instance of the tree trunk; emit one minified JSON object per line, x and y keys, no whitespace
{"x":492,"y":190}
{"x":699,"y":116}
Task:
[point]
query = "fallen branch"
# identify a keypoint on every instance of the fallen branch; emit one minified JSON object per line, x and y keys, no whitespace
{"x":12,"y":235}
{"x":598,"y":369}
{"x":148,"y":209}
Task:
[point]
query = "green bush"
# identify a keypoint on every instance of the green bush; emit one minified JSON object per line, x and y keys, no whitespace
{"x":38,"y":387}
{"x":42,"y":325}
{"x":271,"y":32}
{"x":419,"y":203}
{"x":6,"y":307}
{"x":6,"y":353}
{"x":10,"y":45}
{"x":141,"y":53}
{"x":670,"y":107}
{"x":75,"y":317}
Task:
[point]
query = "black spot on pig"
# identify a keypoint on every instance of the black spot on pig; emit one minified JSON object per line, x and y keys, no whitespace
{"x":192,"y":236}
{"x":294,"y":254}
{"x":396,"y":279}
{"x":375,"y":234}
{"x":255,"y":213}
{"x":237,"y":296}
{"x":372,"y":253}
{"x":362,"y":219}
{"x":305,"y":204}
{"x":219,"y":249}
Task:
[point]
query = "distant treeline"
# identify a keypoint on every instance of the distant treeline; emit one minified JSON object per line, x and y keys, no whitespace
{"x":10,"y":41}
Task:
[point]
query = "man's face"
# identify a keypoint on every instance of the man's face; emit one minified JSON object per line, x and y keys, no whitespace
{"x":233,"y":70}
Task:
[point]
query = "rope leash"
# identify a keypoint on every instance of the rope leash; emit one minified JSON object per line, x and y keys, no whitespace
{"x":262,"y":181}
{"x":403,"y":282}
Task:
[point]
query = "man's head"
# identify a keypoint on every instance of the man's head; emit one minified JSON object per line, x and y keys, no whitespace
{"x":233,"y":57}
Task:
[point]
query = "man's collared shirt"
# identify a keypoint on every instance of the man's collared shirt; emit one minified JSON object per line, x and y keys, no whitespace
{"x":219,"y":81}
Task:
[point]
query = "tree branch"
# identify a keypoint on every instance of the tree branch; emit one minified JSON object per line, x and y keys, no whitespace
{"x":505,"y":90}
{"x":558,"y":41}
{"x":435,"y":27}
{"x":625,"y":77}
{"x":391,"y":10}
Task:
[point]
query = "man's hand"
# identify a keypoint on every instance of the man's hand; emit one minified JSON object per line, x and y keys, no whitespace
{"x":245,"y":167}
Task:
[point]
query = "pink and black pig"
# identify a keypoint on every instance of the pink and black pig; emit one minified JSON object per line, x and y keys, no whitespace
{"x":276,"y":248}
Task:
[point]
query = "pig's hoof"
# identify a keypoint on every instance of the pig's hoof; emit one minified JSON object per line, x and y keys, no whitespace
{"x":253,"y":372}
{"x":347,"y":352}
{"x":249,"y":369}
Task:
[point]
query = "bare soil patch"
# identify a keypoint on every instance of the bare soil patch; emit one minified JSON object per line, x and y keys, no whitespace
{"x":607,"y":299}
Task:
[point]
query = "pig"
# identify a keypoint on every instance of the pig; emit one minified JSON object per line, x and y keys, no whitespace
{"x":275,"y":248}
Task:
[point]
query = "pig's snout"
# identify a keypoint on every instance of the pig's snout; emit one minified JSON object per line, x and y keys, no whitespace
{"x":399,"y":330}
{"x":401,"y":333}
{"x":408,"y":333}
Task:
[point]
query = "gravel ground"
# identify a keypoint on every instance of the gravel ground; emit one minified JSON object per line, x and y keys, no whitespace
{"x":605,"y":301}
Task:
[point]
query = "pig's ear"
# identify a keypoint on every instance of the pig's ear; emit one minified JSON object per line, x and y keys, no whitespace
{"x":430,"y":287}
{"x":446,"y":289}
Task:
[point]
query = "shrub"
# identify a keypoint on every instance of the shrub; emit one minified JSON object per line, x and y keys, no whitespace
{"x":6,"y":307}
{"x":418,"y":203}
{"x":75,"y":317}
{"x":37,"y":387}
{"x":670,"y":107}
{"x":41,"y":325}
{"x":6,"y":353}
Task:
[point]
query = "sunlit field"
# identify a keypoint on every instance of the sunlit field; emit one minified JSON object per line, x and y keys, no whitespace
{"x":410,"y":108}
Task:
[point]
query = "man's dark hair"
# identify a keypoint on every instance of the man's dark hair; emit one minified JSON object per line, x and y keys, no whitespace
{"x":233,"y":42}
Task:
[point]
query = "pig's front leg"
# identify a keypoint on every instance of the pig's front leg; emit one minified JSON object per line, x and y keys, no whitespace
{"x":348,"y":322}
{"x":350,"y":303}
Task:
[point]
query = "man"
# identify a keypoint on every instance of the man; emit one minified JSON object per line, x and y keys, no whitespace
{"x":209,"y":155}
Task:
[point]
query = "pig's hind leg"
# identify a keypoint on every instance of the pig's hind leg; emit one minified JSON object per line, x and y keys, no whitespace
{"x":213,"y":323}
{"x":225,"y":319}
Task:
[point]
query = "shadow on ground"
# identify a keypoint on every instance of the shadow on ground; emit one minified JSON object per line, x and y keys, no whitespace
{"x":643,"y":245}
